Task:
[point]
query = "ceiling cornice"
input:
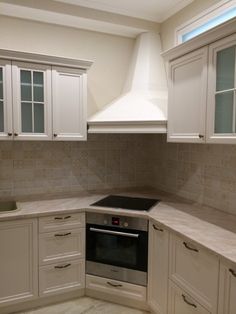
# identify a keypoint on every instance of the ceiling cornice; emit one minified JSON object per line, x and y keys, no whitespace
{"x":53,"y":12}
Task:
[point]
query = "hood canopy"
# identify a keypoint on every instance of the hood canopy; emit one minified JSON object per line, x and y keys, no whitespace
{"x":142,"y":107}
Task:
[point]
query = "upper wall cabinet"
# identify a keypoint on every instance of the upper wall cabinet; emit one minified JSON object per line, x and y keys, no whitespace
{"x":5,"y":100}
{"x":69,"y":104}
{"x":187,"y":97}
{"x":43,"y":99}
{"x":202,"y":88}
{"x":221,"y":108}
{"x":31,"y":101}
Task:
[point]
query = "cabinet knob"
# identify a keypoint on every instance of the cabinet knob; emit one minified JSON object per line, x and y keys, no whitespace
{"x":201,"y":136}
{"x":15,"y":134}
{"x":55,"y":135}
{"x":9,"y":134}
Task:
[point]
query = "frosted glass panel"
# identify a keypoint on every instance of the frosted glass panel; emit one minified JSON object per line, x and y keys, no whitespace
{"x":26,"y":92}
{"x":26,"y":117}
{"x":38,"y":118}
{"x":1,"y":117}
{"x":25,"y":76}
{"x":224,"y":113}
{"x":38,"y":93}
{"x":38,"y":78}
{"x":225,"y":69}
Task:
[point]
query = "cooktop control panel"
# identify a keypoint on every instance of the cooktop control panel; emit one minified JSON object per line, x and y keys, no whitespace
{"x":117,"y":221}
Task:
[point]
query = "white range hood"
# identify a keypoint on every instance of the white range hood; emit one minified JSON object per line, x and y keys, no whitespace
{"x":142,"y":107}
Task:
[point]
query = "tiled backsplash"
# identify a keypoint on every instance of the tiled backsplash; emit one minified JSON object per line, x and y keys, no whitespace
{"x":203,"y":173}
{"x":104,"y":161}
{"x":200,"y":172}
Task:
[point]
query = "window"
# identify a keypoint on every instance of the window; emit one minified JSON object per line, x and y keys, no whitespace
{"x":214,"y":16}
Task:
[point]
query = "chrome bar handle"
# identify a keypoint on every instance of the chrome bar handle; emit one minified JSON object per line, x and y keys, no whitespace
{"x":119,"y":233}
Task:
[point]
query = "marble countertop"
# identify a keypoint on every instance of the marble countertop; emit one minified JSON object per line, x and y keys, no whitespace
{"x":213,"y":229}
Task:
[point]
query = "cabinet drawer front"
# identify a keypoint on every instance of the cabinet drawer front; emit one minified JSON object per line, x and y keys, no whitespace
{"x":182,"y":303}
{"x":116,"y":288}
{"x":61,"y":245}
{"x":62,"y":277}
{"x":61,"y":221}
{"x":195,"y":270}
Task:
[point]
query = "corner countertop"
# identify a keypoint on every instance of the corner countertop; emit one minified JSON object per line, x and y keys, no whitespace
{"x":213,"y":229}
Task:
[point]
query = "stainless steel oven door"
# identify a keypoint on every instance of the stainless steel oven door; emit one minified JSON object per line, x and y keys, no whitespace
{"x":117,"y":253}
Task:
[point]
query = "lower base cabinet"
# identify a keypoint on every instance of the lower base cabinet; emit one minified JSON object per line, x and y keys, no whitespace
{"x":182,"y":303}
{"x":18,"y":261}
{"x":61,"y":277}
{"x":116,"y":291}
{"x":158,"y":268}
{"x":227,"y":293}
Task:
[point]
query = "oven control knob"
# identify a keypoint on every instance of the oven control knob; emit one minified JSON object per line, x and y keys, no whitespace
{"x":126,"y":224}
{"x":105,"y":222}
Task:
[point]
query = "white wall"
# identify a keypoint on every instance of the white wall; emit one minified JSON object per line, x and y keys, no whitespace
{"x":111,"y":54}
{"x":169,"y":26}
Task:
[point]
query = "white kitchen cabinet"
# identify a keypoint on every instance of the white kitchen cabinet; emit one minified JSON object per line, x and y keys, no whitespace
{"x":61,"y":277}
{"x":69,"y":104}
{"x":187,"y":97}
{"x":227,"y":291}
{"x":61,"y":245}
{"x":18,"y":261}
{"x":158,"y":268}
{"x":181,"y":302}
{"x":61,"y":253}
{"x":42,"y":97}
{"x":195,"y":270}
{"x":221,"y":102}
{"x":31,"y":101}
{"x":61,"y":222}
{"x":115,"y":289}
{"x":5,"y":100}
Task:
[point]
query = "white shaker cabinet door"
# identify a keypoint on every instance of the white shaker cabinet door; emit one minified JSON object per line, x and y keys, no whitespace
{"x":6,"y":132}
{"x":221,"y":102}
{"x":18,"y":261}
{"x":187,"y":97}
{"x":182,"y":303}
{"x":227,"y":294}
{"x":158,"y":268}
{"x":31,"y":101}
{"x":69,"y":104}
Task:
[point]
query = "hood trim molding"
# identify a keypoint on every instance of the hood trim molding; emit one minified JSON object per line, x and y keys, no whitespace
{"x":128,"y":127}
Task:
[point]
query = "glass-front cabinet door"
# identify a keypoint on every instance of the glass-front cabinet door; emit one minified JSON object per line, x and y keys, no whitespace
{"x":32,"y":101}
{"x":5,"y":100}
{"x":221,"y":108}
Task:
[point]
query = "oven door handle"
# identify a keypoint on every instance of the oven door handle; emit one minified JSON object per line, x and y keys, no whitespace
{"x":124,"y":234}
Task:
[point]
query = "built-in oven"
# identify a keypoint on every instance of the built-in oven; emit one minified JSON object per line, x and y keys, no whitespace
{"x":117,"y":247}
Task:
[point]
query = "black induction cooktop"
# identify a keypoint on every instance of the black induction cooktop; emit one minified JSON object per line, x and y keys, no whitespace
{"x":127,"y":202}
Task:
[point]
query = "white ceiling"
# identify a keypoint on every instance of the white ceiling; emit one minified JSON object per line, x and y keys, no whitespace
{"x":152,"y":10}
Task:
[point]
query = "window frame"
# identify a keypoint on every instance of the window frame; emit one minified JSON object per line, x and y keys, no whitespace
{"x":202,"y":18}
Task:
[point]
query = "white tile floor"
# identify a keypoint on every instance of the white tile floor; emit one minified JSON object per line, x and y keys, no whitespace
{"x":85,"y":305}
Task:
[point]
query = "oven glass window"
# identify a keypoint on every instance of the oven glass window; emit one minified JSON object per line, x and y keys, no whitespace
{"x":118,"y":250}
